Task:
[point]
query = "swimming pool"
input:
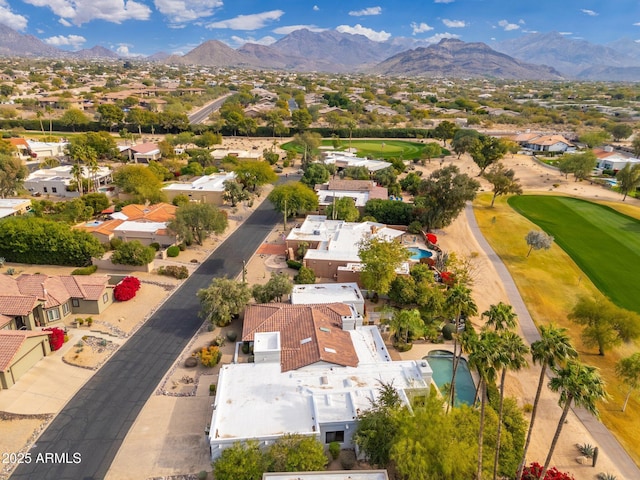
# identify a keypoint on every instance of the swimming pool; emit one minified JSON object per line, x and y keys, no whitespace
{"x":418,"y":253}
{"x":94,"y":223}
{"x":441,"y":362}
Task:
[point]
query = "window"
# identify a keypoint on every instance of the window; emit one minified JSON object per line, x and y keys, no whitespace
{"x":53,"y":314}
{"x":45,"y":189}
{"x":105,"y":298}
{"x":65,"y":308}
{"x":334,"y":436}
{"x":54,"y":189}
{"x":75,"y":302}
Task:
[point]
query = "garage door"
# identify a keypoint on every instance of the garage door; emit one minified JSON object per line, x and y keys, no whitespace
{"x":27,"y":361}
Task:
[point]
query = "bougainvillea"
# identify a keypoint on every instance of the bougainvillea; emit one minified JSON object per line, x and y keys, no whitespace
{"x":448,"y":278}
{"x":126,"y":289}
{"x":533,"y":471}
{"x":56,"y":337}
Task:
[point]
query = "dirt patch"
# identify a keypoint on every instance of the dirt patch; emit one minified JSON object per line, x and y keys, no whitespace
{"x":90,"y":352}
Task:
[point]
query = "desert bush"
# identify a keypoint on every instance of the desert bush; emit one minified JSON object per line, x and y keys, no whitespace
{"x":209,"y":356}
{"x":85,"y":270}
{"x":231,"y":336}
{"x":586,"y":449}
{"x":173,"y":251}
{"x":179,"y":272}
{"x":155,"y":246}
{"x":334,"y":449}
{"x":347,"y":459}
{"x":294,"y":264}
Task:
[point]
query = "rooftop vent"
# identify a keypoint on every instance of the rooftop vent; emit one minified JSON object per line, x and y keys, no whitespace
{"x":325,"y":329}
{"x":305,"y":340}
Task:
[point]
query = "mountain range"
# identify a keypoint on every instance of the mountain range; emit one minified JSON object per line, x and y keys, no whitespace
{"x":536,"y":56}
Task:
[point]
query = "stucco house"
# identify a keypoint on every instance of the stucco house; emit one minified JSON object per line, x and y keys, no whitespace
{"x":361,"y":191}
{"x":344,"y":160}
{"x":608,"y":159}
{"x":19,"y":351}
{"x":57,"y":180}
{"x":31,"y":301}
{"x":538,"y":142}
{"x":10,"y":207}
{"x":315,"y":371}
{"x":143,"y":153}
{"x":205,"y":189}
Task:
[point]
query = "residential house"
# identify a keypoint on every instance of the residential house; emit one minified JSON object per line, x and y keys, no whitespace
{"x":206,"y":189}
{"x":10,"y":207}
{"x":333,"y":475}
{"x":145,"y":223}
{"x":335,"y":243}
{"x":219,"y":153}
{"x":57,"y":180}
{"x":143,"y":153}
{"x":344,"y":160}
{"x":22,"y":150}
{"x":538,"y":142}
{"x":322,"y":293}
{"x":608,"y":159}
{"x":31,"y":301}
{"x":315,"y":372}
{"x":48,"y":149}
{"x":19,"y":351}
{"x":361,"y":191}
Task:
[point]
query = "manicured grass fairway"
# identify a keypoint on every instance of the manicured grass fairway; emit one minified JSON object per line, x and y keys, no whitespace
{"x":375,"y":149}
{"x":604,"y":243}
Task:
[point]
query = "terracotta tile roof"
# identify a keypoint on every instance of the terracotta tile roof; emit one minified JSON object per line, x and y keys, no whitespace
{"x":4,"y":320}
{"x":144,"y":148}
{"x":308,"y":333}
{"x":14,"y":305}
{"x":160,"y":212}
{"x":351,"y":185}
{"x":8,"y":285}
{"x":18,"y":141}
{"x":88,"y":287}
{"x":10,"y":343}
{"x":50,"y":289}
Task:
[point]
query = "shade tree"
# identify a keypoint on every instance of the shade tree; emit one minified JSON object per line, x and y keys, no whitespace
{"x":222,"y":300}
{"x":194,"y":222}
{"x":628,"y":178}
{"x":486,"y":151}
{"x":628,"y":371}
{"x":292,"y":198}
{"x":503,"y":181}
{"x":13,"y":173}
{"x":538,"y":240}
{"x":380,"y":259}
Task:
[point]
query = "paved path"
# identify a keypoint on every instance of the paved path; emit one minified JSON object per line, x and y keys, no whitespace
{"x":606,"y":441}
{"x":96,"y":420}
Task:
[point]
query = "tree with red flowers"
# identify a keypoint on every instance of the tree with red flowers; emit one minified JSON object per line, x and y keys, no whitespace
{"x":56,"y":337}
{"x":126,"y":289}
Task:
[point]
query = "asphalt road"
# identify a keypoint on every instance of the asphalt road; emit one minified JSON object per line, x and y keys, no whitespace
{"x":202,"y":115}
{"x":85,"y":436}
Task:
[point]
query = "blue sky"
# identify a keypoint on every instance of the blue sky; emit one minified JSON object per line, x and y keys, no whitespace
{"x":143,"y":27}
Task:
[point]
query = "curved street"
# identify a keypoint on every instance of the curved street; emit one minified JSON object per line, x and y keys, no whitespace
{"x":83,"y":439}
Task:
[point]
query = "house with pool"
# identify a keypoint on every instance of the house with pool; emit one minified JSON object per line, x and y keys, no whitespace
{"x":316,"y":370}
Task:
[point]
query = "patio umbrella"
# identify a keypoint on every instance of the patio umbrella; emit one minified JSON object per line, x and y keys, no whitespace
{"x":432,"y":238}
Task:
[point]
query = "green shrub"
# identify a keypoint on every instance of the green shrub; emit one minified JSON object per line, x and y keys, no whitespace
{"x":155,"y":246}
{"x":334,"y":450}
{"x":133,"y":253}
{"x":414,"y":227}
{"x":202,"y":474}
{"x":182,"y":247}
{"x":179,"y":272}
{"x":231,"y":336}
{"x":448,"y":330}
{"x":527,"y":408}
{"x":212,"y":389}
{"x":347,"y":459}
{"x":85,"y":270}
{"x":173,"y":251}
{"x":294,"y":264}
{"x":246,"y":348}
{"x":115,"y":242}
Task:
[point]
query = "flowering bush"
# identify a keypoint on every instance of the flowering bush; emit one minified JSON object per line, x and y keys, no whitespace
{"x":533,"y":471}
{"x":126,"y":289}
{"x":448,"y":278}
{"x":209,"y":356}
{"x":56,"y":337}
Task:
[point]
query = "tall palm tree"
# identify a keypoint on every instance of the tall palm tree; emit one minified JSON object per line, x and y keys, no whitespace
{"x":553,"y":348}
{"x":501,"y":317}
{"x":458,"y":302}
{"x":39,"y":117}
{"x":483,"y":358}
{"x":510,"y":356}
{"x":77,"y":173}
{"x":580,"y":384}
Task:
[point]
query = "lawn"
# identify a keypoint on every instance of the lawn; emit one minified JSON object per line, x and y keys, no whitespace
{"x":376,"y":149}
{"x":604,"y":243}
{"x":550,"y":283}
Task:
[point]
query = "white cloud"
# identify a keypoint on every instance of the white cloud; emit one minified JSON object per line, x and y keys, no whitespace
{"x":73,"y":41}
{"x":181,"y":11}
{"x":254,"y":21}
{"x":637,"y":24}
{"x":591,"y":13}
{"x":10,"y":19}
{"x":123,"y":50}
{"x":565,"y":33}
{"x":358,"y":29}
{"x":454,"y":23}
{"x":238,"y":41}
{"x":508,"y":26}
{"x":292,"y":28}
{"x":78,"y":12}
{"x":316,"y":8}
{"x":65,"y":23}
{"x":420,"y":27}
{"x":440,"y":36}
{"x":366,"y":11}
{"x":443,"y":1}
{"x":521,"y":22}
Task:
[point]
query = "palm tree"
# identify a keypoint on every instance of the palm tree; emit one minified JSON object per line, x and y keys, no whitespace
{"x":39,"y":117}
{"x":405,"y":322}
{"x":501,"y":317}
{"x":580,"y":384}
{"x":77,"y":171}
{"x":510,"y":356}
{"x":553,"y":348}
{"x":483,"y":358}
{"x":49,"y":110}
{"x":458,"y":302}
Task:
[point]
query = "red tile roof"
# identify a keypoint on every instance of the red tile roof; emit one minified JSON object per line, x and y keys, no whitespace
{"x":308,"y":333}
{"x":10,"y":343}
{"x":14,"y":305}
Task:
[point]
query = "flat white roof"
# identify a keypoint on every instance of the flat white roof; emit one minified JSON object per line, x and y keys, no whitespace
{"x":325,"y":197}
{"x":13,"y":202}
{"x":207,"y":183}
{"x":352,"y":161}
{"x":326,"y":293}
{"x":335,"y":475}
{"x":147,"y":227}
{"x":257,"y":400}
{"x":64,"y":171}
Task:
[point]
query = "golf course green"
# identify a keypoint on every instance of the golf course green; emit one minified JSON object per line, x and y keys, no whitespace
{"x":376,"y":149}
{"x":604,"y":243}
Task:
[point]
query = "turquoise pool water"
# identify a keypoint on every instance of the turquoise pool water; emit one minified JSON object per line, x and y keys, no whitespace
{"x":441,"y":363}
{"x":418,"y":253}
